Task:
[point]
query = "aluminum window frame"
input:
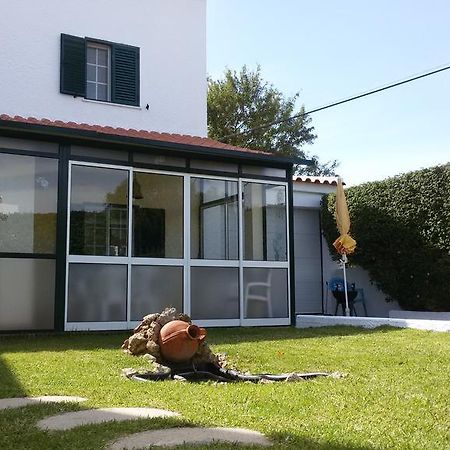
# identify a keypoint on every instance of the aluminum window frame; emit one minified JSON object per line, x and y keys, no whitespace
{"x":186,"y":262}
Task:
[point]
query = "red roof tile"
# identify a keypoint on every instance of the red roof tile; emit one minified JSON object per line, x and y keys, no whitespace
{"x":142,"y":134}
{"x":316,"y":180}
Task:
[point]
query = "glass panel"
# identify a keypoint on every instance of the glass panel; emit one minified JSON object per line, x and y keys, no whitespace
{"x":102,"y":57}
{"x":102,"y":75}
{"x":91,"y":91}
{"x":214,"y":293}
{"x":91,"y":73}
{"x":266,"y":171}
{"x":99,"y":211}
{"x":265,"y":293}
{"x":91,"y":55}
{"x":97,"y":293}
{"x":24,"y":144}
{"x":28,"y":197}
{"x":214,"y":219}
{"x":102,"y":92}
{"x":214,"y":165}
{"x":159,"y":160}
{"x":27,"y":294}
{"x":155,"y":288}
{"x":157,"y":215}
{"x":264,"y":222}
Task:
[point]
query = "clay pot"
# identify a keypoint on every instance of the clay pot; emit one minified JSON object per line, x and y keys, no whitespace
{"x":179,"y":341}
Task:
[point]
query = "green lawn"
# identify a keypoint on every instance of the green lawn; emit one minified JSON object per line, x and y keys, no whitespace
{"x":396,"y":393}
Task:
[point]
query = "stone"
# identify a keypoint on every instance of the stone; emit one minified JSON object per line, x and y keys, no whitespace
{"x":171,"y":437}
{"x":19,"y":402}
{"x":137,"y":344}
{"x":153,"y":349}
{"x":69,"y":420}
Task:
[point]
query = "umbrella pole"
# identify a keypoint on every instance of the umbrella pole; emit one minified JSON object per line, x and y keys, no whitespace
{"x":344,"y":262}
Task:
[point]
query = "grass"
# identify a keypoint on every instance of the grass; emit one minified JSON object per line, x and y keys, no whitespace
{"x":395,"y":394}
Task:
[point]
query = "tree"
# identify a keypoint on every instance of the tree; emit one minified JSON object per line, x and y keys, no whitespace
{"x":240,"y":104}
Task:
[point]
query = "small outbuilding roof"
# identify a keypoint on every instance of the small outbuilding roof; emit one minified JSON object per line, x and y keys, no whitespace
{"x":316,"y":180}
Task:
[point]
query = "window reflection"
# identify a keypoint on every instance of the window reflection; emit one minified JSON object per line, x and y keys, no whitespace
{"x":99,"y":211}
{"x":28,"y":198}
{"x":214,"y":219}
{"x":157,"y":215}
{"x":264,"y":220}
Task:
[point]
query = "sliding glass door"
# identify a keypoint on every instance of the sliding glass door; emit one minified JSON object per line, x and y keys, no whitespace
{"x":142,"y":240}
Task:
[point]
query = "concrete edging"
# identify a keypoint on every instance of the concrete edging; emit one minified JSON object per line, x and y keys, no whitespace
{"x":311,"y":321}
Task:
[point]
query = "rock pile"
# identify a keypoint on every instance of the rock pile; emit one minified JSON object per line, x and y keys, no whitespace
{"x":145,"y":337}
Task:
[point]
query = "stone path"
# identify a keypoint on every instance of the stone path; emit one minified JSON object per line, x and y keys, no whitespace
{"x":168,"y":437}
{"x":24,"y":401}
{"x":177,"y":436}
{"x":69,"y":420}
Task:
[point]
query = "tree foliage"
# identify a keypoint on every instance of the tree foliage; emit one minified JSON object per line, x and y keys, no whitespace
{"x":241,"y":102}
{"x":402,"y":227}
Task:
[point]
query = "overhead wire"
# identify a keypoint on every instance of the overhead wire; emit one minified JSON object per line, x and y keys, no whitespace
{"x":340,"y":102}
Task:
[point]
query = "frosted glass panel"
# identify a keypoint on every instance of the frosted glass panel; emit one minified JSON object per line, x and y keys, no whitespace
{"x":99,"y":211}
{"x":28,"y":196}
{"x":265,"y":293}
{"x":265,"y":233}
{"x":214,"y":219}
{"x":162,"y":160}
{"x":97,"y":293}
{"x":154,"y":288}
{"x":100,"y":153}
{"x":214,"y":293}
{"x":157,"y":215}
{"x":25,"y":144}
{"x":27,"y":294}
{"x":214,"y":165}
{"x":265,"y":171}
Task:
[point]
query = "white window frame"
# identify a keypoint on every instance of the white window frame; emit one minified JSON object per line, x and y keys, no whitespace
{"x":96,"y":46}
{"x":186,"y":262}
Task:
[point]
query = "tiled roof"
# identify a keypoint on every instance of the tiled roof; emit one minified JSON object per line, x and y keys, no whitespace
{"x":131,"y":133}
{"x":316,"y":180}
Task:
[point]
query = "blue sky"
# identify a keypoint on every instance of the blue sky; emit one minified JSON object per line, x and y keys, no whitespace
{"x":330,"y":50}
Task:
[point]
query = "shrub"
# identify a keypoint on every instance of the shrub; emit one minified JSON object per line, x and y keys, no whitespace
{"x":402,"y":229}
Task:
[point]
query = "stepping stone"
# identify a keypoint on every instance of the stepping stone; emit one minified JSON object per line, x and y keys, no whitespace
{"x":70,"y":420}
{"x":171,"y":437}
{"x":24,"y":401}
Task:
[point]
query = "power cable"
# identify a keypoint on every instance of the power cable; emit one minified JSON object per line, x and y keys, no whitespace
{"x":365,"y":94}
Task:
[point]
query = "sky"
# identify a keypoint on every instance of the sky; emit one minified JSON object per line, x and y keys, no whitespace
{"x":328,"y":51}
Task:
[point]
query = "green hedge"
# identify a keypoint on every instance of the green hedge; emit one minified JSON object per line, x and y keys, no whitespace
{"x":402,"y":228}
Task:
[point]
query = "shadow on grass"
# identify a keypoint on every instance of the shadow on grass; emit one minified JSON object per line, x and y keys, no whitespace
{"x":37,"y":342}
{"x":9,"y":385}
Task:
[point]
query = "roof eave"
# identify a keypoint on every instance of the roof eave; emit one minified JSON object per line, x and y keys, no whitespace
{"x":43,"y":131}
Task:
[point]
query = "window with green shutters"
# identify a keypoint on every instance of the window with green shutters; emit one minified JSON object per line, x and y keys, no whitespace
{"x":99,"y":70}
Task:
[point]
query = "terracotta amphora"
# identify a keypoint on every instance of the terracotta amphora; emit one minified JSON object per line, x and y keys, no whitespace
{"x":179,"y":340}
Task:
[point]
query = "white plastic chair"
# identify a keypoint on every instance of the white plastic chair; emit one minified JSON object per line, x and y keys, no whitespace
{"x":259,"y":291}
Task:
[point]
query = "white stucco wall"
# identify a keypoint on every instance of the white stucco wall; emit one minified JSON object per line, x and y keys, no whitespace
{"x":171,"y":36}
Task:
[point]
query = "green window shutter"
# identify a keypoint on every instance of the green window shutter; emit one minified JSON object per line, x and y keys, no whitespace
{"x":73,"y":65}
{"x":125,"y":74}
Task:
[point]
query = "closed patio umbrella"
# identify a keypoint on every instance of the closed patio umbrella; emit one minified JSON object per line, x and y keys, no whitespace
{"x":344,"y":244}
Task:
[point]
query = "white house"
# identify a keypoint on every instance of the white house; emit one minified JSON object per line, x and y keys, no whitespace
{"x":164,"y":40}
{"x":115,"y":204}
